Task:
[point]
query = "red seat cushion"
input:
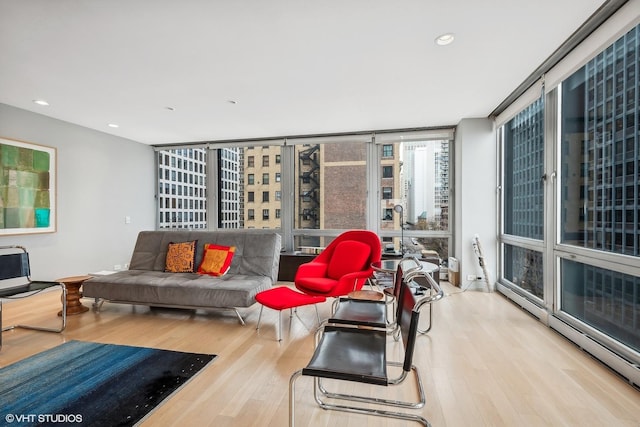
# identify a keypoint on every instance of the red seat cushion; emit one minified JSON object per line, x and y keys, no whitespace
{"x":349,"y":256}
{"x":282,"y":297}
{"x":321,"y":285}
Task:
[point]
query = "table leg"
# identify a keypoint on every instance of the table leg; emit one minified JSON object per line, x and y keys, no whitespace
{"x":74,"y":306}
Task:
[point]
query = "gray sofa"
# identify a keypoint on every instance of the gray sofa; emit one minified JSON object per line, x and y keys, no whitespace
{"x":254,"y":268}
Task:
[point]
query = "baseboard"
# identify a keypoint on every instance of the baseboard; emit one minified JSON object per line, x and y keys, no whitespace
{"x":535,"y":310}
{"x":621,"y":365}
{"x":624,"y":367}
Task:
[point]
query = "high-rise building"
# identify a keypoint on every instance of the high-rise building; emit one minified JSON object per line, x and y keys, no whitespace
{"x":229,"y":187}
{"x":182,"y":190}
{"x":262,"y":187}
{"x":524,"y":167}
{"x":426,"y":163}
{"x":609,"y":199}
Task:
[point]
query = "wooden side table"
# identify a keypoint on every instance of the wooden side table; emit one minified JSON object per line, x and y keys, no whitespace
{"x":73,"y":283}
{"x":366,"y":294}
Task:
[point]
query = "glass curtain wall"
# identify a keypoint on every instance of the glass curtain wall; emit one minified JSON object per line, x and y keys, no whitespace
{"x":591,"y":240}
{"x":330,"y":188}
{"x":245,"y":183}
{"x":600,"y":192}
{"x":312,"y":189}
{"x":414,"y":204}
{"x":523,"y":199}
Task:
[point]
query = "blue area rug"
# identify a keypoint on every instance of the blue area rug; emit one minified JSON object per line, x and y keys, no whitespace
{"x":90,"y":384}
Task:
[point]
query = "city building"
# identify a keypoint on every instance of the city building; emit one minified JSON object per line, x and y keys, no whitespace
{"x":182,"y":188}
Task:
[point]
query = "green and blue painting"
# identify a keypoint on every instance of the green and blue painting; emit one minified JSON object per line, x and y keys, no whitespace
{"x":25,"y":188}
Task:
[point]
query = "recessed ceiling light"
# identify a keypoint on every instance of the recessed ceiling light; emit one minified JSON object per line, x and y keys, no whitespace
{"x":231,"y":101}
{"x":41,"y":102}
{"x":445,"y":39}
{"x":113,"y":125}
{"x":170,"y":108}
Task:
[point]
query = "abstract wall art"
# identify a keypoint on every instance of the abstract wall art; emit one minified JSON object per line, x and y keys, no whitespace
{"x":27,"y":188}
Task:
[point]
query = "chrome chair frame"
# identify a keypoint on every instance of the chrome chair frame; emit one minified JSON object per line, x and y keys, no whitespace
{"x":434,"y":294}
{"x":351,"y":337}
{"x":418,"y":305}
{"x":370,"y":313}
{"x":26,"y":290}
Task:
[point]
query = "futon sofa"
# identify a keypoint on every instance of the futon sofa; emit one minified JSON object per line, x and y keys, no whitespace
{"x":253,"y":268}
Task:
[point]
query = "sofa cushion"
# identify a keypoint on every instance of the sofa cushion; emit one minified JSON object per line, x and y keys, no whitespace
{"x":349,"y":256}
{"x":216,"y":259}
{"x":181,"y":257}
{"x":257,"y":251}
{"x":177,"y":289}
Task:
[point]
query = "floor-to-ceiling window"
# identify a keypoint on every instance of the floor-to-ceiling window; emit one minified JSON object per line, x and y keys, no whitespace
{"x":600,"y":192}
{"x":570,"y":235}
{"x":313,"y":188}
{"x":330,"y":187}
{"x":414,"y":193}
{"x":182,"y":188}
{"x":523,"y":199}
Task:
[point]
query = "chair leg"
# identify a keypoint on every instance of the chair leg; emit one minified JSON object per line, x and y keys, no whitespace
{"x":278,"y":328}
{"x":402,"y":404}
{"x":334,"y":305}
{"x":376,"y":412}
{"x":292,"y":397}
{"x":260,"y":317}
{"x":424,"y":331}
{"x":63,"y":315}
{"x":279,"y":336}
{"x":362,"y":410}
{"x":292,"y":311}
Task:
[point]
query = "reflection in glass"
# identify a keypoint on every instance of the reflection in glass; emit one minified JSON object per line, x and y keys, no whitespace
{"x":523,"y":170}
{"x":600,"y":151}
{"x":523,"y":268}
{"x":606,"y":300}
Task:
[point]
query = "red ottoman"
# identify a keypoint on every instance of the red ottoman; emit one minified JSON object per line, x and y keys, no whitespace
{"x":281,"y":298}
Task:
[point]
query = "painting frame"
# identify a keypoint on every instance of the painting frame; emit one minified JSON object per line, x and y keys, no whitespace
{"x":28,"y":188}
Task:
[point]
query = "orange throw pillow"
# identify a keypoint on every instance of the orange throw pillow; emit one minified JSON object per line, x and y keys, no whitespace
{"x":216,"y":259}
{"x":181,"y":257}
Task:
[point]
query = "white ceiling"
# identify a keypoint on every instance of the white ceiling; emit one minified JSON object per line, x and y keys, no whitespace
{"x":295,"y":67}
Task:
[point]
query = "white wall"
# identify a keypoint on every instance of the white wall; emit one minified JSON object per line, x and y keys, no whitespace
{"x":475,"y":198}
{"x":101,"y":179}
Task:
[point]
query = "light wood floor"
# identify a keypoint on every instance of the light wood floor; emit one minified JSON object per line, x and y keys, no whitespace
{"x":485,"y":363}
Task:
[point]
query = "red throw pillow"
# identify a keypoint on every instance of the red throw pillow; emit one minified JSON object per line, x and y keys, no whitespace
{"x":216,"y":259}
{"x":349,"y":256}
